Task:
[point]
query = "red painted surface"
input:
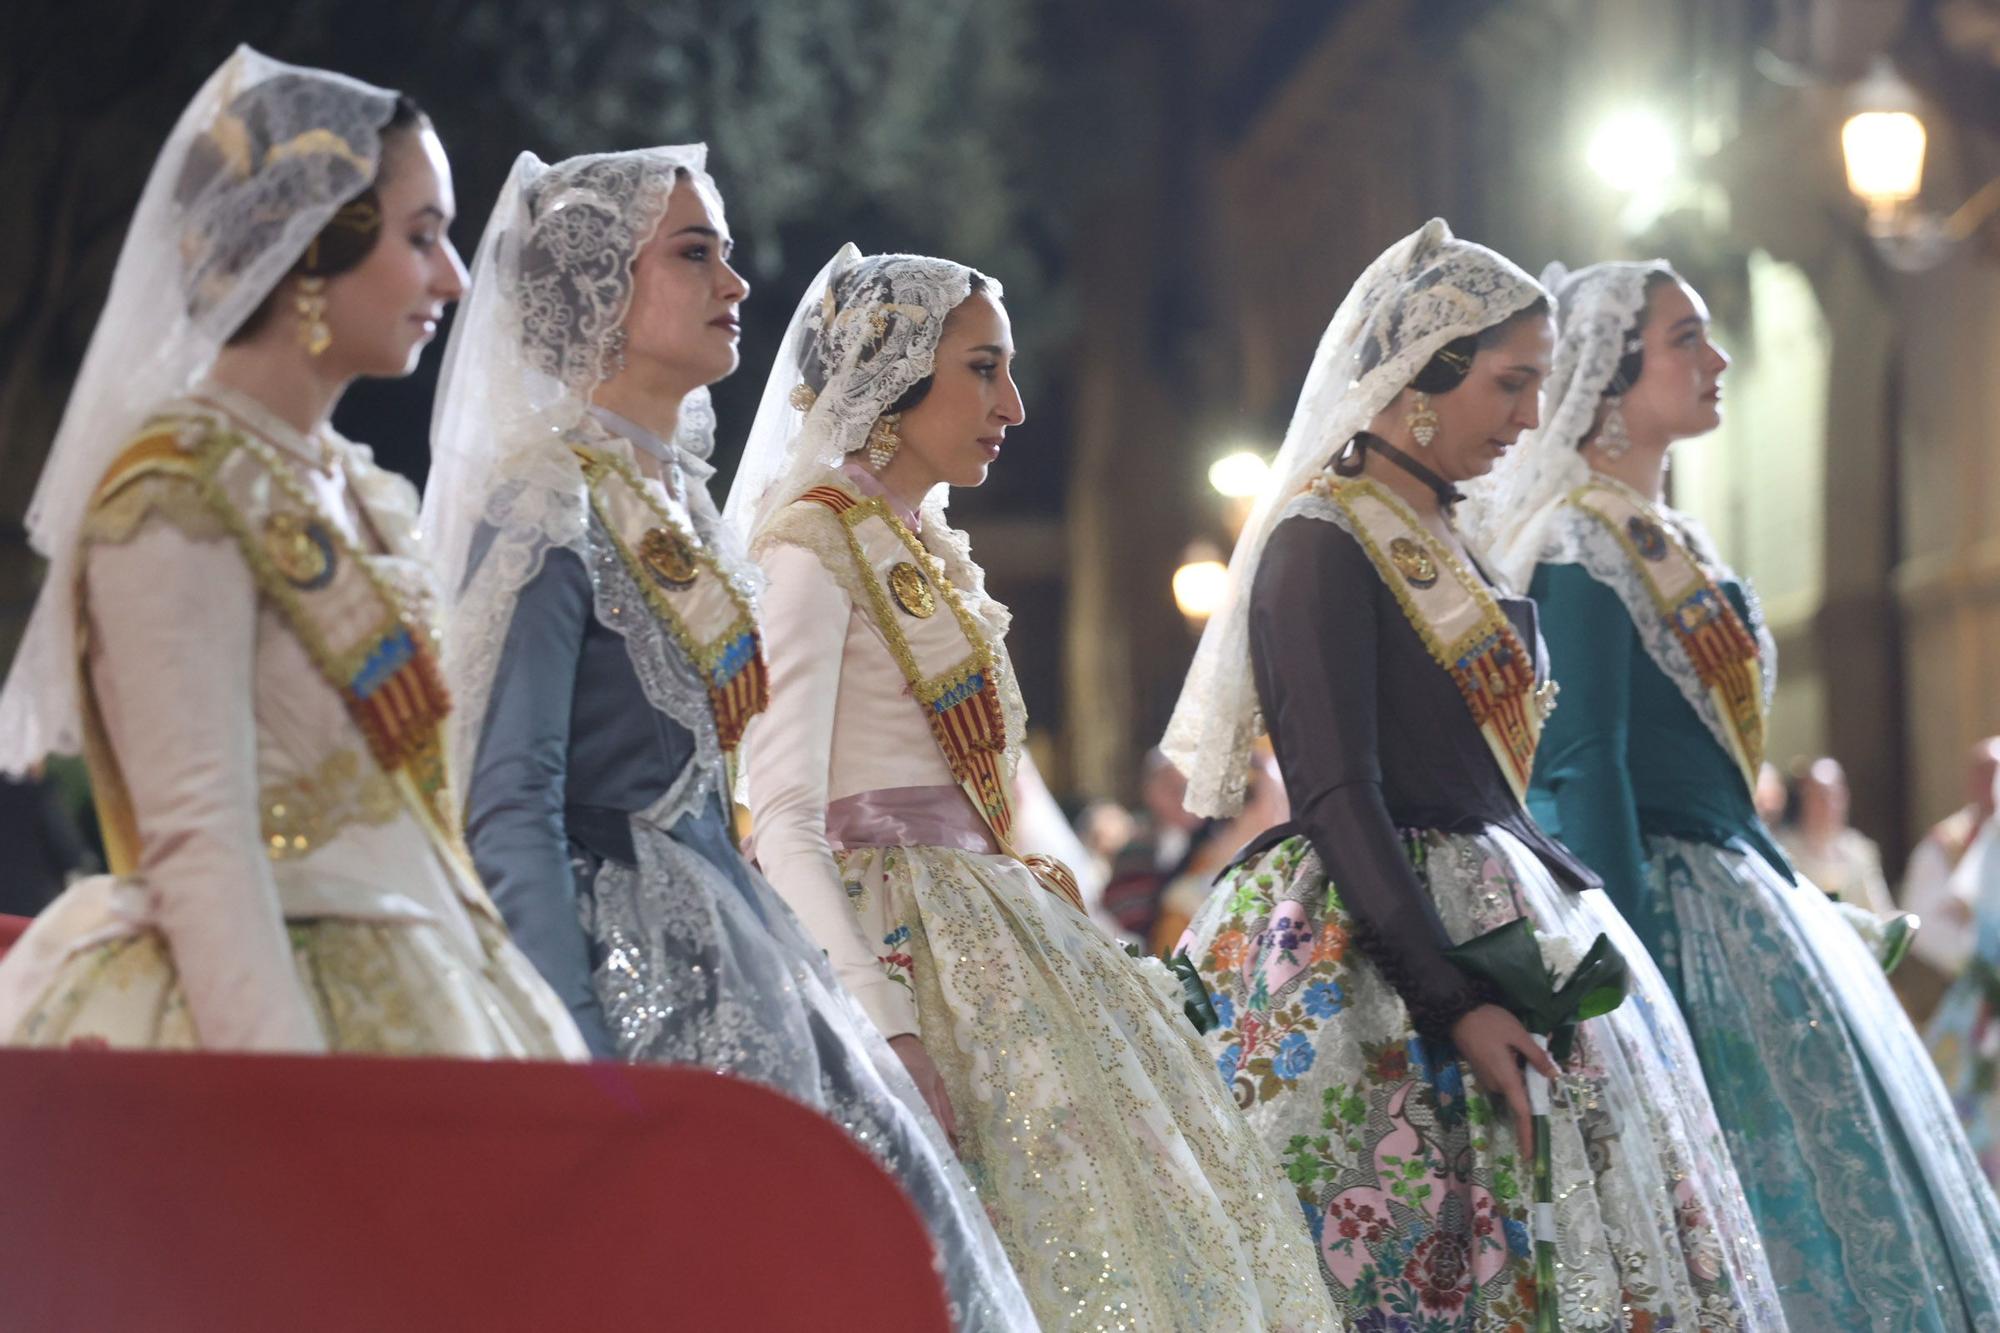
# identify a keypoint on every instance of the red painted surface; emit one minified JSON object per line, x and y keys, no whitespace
{"x":206,"y":1192}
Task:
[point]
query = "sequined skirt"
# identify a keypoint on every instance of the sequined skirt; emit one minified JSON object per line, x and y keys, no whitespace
{"x":1128,"y":1191}
{"x":1411,"y":1181}
{"x":699,"y":962}
{"x":377,"y":988}
{"x":1871,"y":1203}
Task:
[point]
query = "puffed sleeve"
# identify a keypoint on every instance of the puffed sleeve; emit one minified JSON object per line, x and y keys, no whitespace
{"x":514,"y":801}
{"x":173,"y":640}
{"x":1582,"y":762}
{"x":790,"y":754}
{"x":1313,"y":642}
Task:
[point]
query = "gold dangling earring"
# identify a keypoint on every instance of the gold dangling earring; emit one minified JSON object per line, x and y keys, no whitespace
{"x":884,"y":440}
{"x":1423,"y":421}
{"x":1612,"y":438}
{"x":314,"y":335}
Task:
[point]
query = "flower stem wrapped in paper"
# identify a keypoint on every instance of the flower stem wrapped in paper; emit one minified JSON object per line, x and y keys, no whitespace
{"x":1542,"y":982}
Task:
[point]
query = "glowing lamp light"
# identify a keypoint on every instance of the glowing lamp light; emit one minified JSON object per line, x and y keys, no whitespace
{"x":1632,"y":151}
{"x":1241,"y":475}
{"x":1198,"y":587}
{"x":1885,"y":158}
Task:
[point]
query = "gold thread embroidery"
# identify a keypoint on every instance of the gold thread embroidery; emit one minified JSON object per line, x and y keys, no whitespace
{"x":745,"y":693}
{"x":303,"y":814}
{"x":1732,"y":685}
{"x":1515,"y":751}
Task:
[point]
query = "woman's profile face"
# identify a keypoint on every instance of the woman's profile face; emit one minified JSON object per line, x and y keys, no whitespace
{"x":683,"y":321}
{"x":383,"y":312}
{"x":959,"y":427}
{"x":1679,"y":390}
{"x":1500,"y":397}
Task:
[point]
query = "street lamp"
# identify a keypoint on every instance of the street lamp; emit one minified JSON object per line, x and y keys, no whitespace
{"x":1883,"y":144}
{"x":1885,"y":162}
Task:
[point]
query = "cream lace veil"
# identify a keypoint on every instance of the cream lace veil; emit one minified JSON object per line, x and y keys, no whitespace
{"x":1421,"y":293}
{"x":255,"y":167}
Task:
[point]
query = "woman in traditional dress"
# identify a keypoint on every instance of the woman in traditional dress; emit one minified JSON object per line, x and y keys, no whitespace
{"x":1126,"y":1188}
{"x":1964,"y":1035}
{"x":1403,"y":692}
{"x":236,"y":629}
{"x":604,"y":641}
{"x":1872,"y":1209}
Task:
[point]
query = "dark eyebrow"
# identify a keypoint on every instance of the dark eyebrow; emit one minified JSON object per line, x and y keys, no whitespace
{"x":436,"y":212}
{"x":1695,"y":320}
{"x":1536,"y":371}
{"x":699,"y":230}
{"x":993,"y":348}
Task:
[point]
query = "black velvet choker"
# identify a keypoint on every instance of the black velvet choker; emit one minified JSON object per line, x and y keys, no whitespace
{"x":1354,"y":453}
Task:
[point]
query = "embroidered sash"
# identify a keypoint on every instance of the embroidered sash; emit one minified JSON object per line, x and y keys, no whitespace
{"x":1456,"y":616}
{"x":708,"y":615}
{"x":374,"y":649}
{"x":947,"y":660}
{"x":1696,"y":612}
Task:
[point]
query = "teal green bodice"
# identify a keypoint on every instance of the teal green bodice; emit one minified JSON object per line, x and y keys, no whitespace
{"x":1624,"y":755}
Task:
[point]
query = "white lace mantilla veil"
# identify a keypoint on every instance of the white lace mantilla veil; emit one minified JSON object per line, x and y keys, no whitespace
{"x":255,"y":167}
{"x":541,"y":328}
{"x":883,"y":340}
{"x":1598,"y":312}
{"x":1421,"y":293}
{"x":871,"y":325}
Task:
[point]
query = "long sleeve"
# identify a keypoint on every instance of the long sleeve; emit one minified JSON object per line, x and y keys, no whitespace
{"x":1314,"y":640}
{"x":514,"y":803}
{"x":173,"y":665}
{"x":805,"y":618}
{"x":1585,"y":743}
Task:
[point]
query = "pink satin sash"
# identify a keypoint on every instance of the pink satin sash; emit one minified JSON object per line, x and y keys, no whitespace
{"x":908,"y":817}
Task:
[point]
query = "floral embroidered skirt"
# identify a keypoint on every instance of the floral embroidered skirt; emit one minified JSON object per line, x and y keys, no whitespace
{"x":1127,"y":1190}
{"x":377,"y":988}
{"x":1411,"y":1181}
{"x":1872,"y":1206}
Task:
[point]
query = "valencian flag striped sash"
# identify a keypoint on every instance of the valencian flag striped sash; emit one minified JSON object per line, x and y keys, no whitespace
{"x":708,"y":613}
{"x":951,"y":667}
{"x":1458,"y":619}
{"x":1697,"y":614}
{"x":367,"y":639}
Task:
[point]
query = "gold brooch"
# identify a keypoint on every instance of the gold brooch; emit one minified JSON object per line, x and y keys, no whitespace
{"x":668,"y":557}
{"x":1413,"y":562}
{"x":913,"y":594}
{"x":803,"y":397}
{"x":1647,"y":538}
{"x":301,"y":550}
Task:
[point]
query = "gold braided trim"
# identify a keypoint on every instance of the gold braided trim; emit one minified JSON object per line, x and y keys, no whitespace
{"x":198,"y":448}
{"x":1492,"y":667}
{"x":1704,"y":623}
{"x":746,"y":691}
{"x":971,"y":734}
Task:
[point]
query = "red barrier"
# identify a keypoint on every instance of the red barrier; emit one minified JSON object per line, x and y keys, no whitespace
{"x":228,"y":1192}
{"x":10,"y":930}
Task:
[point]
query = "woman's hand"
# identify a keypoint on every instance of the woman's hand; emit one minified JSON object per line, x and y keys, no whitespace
{"x":1494,"y":1043}
{"x":910,"y":1050}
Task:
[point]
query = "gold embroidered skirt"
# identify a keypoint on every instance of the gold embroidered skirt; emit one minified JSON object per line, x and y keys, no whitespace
{"x":1128,"y":1190}
{"x":377,"y":988}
